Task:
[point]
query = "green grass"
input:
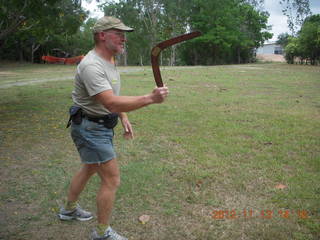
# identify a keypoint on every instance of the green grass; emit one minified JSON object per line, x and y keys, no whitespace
{"x":223,"y":141}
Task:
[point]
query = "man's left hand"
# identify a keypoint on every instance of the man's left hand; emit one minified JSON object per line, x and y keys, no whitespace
{"x":128,"y":131}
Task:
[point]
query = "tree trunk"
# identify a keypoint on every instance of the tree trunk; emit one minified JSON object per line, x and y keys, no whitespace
{"x":34,"y":48}
{"x":195,"y":58}
{"x":20,"y":55}
{"x":238,"y":54}
{"x":173,"y":56}
{"x":125,"y":56}
{"x":150,"y":19}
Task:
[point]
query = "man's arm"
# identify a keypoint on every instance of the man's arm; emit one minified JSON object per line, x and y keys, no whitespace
{"x":129,"y":103}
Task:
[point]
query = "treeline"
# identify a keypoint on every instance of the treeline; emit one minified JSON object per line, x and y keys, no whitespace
{"x":231,"y":29}
{"x":305,"y":47}
{"x":32,"y":28}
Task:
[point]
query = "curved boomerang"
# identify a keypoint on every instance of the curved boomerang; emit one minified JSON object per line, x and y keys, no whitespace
{"x":155,"y":52}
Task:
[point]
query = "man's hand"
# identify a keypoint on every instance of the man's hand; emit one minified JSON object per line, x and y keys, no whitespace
{"x":128,"y":131}
{"x":159,"y":94}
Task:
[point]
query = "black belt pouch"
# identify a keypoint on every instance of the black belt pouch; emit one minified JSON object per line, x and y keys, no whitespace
{"x":75,"y":113}
{"x":111,"y":120}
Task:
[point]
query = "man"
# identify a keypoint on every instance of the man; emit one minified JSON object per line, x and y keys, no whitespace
{"x":96,"y":92}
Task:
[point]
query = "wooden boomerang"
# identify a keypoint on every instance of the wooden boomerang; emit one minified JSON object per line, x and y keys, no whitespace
{"x":155,"y":52}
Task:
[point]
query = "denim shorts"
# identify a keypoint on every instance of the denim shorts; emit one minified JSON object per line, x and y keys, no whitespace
{"x":93,"y":141}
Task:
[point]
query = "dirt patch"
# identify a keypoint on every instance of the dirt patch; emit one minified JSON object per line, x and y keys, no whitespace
{"x":7,"y":73}
{"x":271,"y":57}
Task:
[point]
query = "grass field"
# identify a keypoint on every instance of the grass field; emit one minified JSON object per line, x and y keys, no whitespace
{"x":234,"y":153}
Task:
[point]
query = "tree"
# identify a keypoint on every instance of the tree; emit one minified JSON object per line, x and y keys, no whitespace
{"x":231,"y":30}
{"x":296,"y":11}
{"x":309,"y":38}
{"x":283,"y":39}
{"x":292,"y":50}
{"x":175,"y":22}
{"x":153,"y":21}
{"x":81,"y":42}
{"x":16,"y":15}
{"x":32,"y":23}
{"x":306,"y":45}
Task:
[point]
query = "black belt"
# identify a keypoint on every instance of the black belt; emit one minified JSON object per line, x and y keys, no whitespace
{"x":109,"y":121}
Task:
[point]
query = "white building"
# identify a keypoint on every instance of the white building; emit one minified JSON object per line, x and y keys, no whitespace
{"x":270,"y":48}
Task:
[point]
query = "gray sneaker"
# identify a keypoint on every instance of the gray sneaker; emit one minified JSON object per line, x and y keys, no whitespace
{"x":109,"y":234}
{"x":78,"y":213}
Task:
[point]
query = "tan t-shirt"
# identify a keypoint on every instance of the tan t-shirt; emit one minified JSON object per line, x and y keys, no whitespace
{"x":94,"y":75}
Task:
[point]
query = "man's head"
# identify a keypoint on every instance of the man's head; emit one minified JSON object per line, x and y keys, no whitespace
{"x":110,"y":33}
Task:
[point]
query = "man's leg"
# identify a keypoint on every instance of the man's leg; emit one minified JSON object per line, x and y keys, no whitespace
{"x":72,"y":210}
{"x":79,"y":181}
{"x":110,"y":180}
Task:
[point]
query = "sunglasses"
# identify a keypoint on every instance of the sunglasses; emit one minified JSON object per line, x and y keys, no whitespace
{"x":119,"y":34}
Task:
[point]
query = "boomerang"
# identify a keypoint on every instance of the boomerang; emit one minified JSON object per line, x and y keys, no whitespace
{"x":155,"y":52}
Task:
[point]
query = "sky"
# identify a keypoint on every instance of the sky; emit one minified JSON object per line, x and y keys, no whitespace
{"x":92,"y":7}
{"x":277,"y":20}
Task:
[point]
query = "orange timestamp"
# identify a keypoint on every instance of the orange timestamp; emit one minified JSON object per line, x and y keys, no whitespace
{"x":263,"y":214}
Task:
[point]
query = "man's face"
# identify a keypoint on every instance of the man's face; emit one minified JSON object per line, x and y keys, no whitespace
{"x":115,"y":41}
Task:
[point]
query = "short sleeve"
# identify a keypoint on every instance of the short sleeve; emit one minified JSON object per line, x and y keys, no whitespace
{"x":95,"y":80}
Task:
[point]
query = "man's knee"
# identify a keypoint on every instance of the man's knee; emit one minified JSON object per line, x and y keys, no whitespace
{"x":110,"y":174}
{"x":116,"y":181}
{"x":111,"y":181}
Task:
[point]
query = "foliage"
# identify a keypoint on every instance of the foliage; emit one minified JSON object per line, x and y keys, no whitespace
{"x":309,"y":38}
{"x":292,"y":50}
{"x":28,"y":24}
{"x":306,"y":46}
{"x":296,"y":11}
{"x":75,"y":44}
{"x":283,"y":39}
{"x":231,"y":29}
